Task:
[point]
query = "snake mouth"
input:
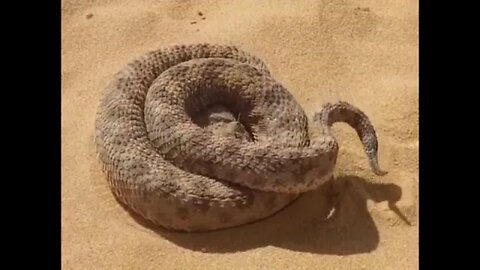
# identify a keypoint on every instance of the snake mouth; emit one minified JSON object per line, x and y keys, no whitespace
{"x":221,"y":121}
{"x":216,"y":105}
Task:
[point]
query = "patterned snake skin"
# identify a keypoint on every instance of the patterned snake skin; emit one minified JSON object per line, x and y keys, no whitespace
{"x":176,"y":169}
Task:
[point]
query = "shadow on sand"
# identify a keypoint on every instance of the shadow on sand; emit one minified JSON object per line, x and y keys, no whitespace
{"x":304,"y":225}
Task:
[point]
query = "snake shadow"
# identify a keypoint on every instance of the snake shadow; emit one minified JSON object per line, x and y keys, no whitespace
{"x":302,"y":226}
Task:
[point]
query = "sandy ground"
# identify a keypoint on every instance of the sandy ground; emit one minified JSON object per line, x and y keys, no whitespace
{"x":364,"y":52}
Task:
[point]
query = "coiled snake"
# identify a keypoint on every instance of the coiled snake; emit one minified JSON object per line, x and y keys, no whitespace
{"x":177,"y":171}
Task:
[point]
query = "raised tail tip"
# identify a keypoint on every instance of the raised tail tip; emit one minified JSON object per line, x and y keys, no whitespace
{"x":345,"y":112}
{"x":376,"y":167}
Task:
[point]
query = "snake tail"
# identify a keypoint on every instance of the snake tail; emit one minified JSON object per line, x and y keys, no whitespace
{"x":344,"y":112}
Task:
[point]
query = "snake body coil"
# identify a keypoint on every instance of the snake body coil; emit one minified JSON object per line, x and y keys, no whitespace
{"x":166,"y":167}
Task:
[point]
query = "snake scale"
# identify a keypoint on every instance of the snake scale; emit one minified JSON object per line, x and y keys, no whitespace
{"x":180,"y":173}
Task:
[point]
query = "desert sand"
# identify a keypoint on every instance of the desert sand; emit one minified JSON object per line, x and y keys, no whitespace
{"x":363,"y":52}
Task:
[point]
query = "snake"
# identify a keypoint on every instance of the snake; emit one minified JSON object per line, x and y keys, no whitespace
{"x":159,"y":138}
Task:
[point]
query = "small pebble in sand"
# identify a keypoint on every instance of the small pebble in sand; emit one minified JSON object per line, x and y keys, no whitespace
{"x":363,"y":9}
{"x":89,"y":16}
{"x":200,"y":13}
{"x":193,"y":22}
{"x":203,"y":18}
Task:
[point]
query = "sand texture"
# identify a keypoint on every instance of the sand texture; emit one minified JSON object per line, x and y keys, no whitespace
{"x":363,"y":52}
